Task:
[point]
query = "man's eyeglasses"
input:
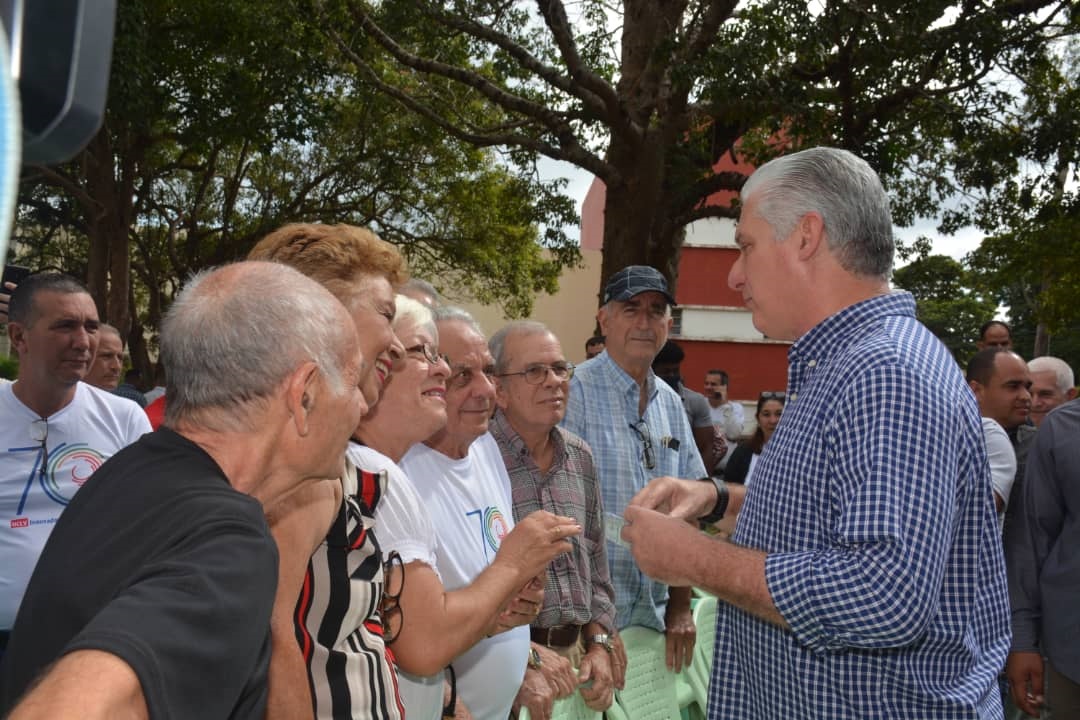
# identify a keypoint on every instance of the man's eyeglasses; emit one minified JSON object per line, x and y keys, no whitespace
{"x":39,"y":432}
{"x":646,"y":442}
{"x":427,"y":351}
{"x":537,"y":372}
{"x":773,"y":395}
{"x":393,"y":584}
{"x":462,"y":376}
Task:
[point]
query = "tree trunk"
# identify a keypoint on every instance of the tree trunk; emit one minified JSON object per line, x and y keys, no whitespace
{"x":639,"y":216}
{"x":108,"y":224}
{"x":636,"y":223}
{"x":1042,"y":341}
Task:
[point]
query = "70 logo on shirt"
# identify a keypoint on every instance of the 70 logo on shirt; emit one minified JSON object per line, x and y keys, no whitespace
{"x":68,"y":468}
{"x":493,"y":527}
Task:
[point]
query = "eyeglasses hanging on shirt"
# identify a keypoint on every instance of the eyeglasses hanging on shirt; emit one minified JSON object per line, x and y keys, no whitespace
{"x":39,"y":432}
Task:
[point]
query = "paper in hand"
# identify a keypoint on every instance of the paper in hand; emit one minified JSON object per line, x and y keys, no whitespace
{"x":613,"y":525}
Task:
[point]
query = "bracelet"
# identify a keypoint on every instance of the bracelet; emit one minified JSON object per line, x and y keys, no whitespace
{"x":721,"y":501}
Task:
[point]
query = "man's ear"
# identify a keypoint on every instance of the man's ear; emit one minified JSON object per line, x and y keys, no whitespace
{"x":16,"y":335}
{"x":502,"y":397}
{"x":601,"y":319}
{"x":976,"y":387}
{"x":811,"y":230}
{"x":302,"y":394}
{"x":1070,"y":394}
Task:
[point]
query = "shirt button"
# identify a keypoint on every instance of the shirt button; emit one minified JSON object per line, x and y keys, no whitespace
{"x":811,"y":363}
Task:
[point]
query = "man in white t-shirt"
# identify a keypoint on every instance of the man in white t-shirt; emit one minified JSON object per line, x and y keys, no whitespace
{"x":1000,"y":380}
{"x":460,"y":477}
{"x":727,"y":415}
{"x":57,"y":430}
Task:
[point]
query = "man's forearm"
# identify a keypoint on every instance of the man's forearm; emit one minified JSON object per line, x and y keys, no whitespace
{"x":85,"y":685}
{"x":734,"y":574}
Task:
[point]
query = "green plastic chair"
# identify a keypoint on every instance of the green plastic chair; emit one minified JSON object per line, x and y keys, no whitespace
{"x":569,"y":708}
{"x":650,"y":692}
{"x":694,"y":679}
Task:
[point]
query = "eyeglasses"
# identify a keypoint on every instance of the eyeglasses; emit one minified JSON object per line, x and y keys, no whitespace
{"x":393,"y":577}
{"x":773,"y":395}
{"x":427,"y":351}
{"x":39,"y":432}
{"x":646,"y":442}
{"x":463,"y":376}
{"x":537,"y":372}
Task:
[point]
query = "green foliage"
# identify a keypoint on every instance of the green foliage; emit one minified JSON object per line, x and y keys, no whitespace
{"x":1030,"y":206}
{"x":915,"y":88}
{"x":9,"y":367}
{"x":227,"y":120}
{"x":946,"y":302}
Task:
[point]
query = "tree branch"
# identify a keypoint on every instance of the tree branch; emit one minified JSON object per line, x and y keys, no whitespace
{"x":62,"y":181}
{"x":570,"y":150}
{"x":554,"y":15}
{"x":506,"y":100}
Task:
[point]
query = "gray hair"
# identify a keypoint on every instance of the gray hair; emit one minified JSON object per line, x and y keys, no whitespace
{"x":1063,"y":374}
{"x":107,"y":328}
{"x":414,"y":312}
{"x":422,"y":287}
{"x":451,"y":313}
{"x":497,"y":343}
{"x":840,"y":187}
{"x":235,"y":333}
{"x":611,"y":306}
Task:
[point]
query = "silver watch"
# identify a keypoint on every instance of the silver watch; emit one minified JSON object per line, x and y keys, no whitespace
{"x":604,"y":640}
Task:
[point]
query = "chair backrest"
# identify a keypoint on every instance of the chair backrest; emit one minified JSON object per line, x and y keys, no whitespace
{"x":650,"y":692}
{"x":569,"y":708}
{"x":705,"y":621}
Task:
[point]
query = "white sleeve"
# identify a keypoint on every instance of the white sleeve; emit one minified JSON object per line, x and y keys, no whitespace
{"x":402,"y":522}
{"x":1002,"y":459}
{"x":137,"y":424}
{"x":734,"y":420}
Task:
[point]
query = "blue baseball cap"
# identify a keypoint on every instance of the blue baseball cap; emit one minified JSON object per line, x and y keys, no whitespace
{"x":634,"y":280}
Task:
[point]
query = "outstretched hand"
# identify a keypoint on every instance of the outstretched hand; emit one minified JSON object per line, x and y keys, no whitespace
{"x":656,"y":539}
{"x":683,"y":499}
{"x":535,"y":541}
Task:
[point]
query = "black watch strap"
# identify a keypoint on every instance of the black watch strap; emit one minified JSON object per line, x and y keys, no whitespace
{"x":721,"y":501}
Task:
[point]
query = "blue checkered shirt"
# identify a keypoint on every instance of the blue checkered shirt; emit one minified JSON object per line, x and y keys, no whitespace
{"x":873,"y":502}
{"x":602,"y":407}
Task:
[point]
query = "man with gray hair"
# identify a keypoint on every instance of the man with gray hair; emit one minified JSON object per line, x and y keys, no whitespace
{"x":108,"y":361}
{"x":865,"y":577}
{"x":153,"y":595}
{"x":552,"y":469}
{"x":638,"y":430}
{"x":1052,"y":384}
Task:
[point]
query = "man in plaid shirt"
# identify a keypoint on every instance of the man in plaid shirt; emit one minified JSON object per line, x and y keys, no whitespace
{"x":552,"y":469}
{"x":865,"y":577}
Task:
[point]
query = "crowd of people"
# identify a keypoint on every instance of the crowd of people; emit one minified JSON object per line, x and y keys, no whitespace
{"x":357,"y":505}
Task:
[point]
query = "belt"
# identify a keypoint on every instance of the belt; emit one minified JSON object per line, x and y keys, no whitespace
{"x":560,"y":636}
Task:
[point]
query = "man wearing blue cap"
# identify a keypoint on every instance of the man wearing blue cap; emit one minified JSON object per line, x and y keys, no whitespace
{"x":638,"y":431}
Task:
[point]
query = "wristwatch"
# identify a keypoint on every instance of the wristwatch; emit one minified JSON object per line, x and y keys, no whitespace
{"x":534,"y":659}
{"x":604,"y":640}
